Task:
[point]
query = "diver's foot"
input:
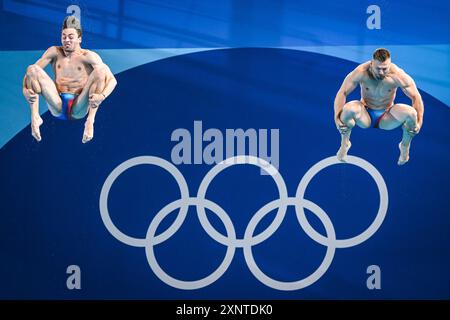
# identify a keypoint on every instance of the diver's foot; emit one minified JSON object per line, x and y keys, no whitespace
{"x":404,"y":154}
{"x":342,"y":152}
{"x":36,"y":122}
{"x":88,"y":133}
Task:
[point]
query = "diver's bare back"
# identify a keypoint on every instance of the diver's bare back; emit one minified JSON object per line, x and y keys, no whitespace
{"x":71,"y":73}
{"x":378,"y":93}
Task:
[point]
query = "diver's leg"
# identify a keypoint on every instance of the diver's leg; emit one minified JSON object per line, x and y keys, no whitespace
{"x":406,"y":116}
{"x":38,"y":82}
{"x":353,"y":113}
{"x":84,"y":105}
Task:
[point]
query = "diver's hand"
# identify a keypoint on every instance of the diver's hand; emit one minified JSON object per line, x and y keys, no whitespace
{"x":419,"y":125}
{"x":30,"y":95}
{"x":415,"y":130}
{"x":342,"y":127}
{"x":96,"y":99}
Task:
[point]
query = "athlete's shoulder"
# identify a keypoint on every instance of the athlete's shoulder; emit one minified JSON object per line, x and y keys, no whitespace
{"x":360,"y":71}
{"x":52,"y":51}
{"x":89,"y":53}
{"x":363,"y":67}
{"x":395,"y":69}
{"x":399,"y":75}
{"x":91,"y":56}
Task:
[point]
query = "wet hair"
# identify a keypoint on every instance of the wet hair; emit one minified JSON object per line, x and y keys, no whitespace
{"x":73,"y":22}
{"x":381,"y":54}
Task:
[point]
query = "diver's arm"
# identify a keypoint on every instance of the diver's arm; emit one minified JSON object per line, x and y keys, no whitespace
{"x":349,"y":84}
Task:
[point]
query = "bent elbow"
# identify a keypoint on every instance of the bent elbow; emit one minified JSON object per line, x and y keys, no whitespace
{"x":416,"y":98}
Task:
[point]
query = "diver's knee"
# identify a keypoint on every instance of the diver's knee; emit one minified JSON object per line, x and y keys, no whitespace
{"x":411,"y":118}
{"x":351,"y":109}
{"x":77,"y":114}
{"x":55,"y":112}
{"x":33,"y":70}
{"x":412,"y":114}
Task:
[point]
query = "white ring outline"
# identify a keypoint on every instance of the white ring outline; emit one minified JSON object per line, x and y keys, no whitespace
{"x":196,"y":284}
{"x":366,"y":234}
{"x":242,"y":159}
{"x":103,"y":203}
{"x":248,"y":241}
{"x":313,"y":277}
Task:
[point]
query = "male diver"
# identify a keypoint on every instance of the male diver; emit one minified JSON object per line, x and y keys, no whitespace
{"x":379,"y":80}
{"x":82,"y":81}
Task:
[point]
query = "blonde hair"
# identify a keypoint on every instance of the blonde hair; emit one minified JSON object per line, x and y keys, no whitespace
{"x":73,"y":22}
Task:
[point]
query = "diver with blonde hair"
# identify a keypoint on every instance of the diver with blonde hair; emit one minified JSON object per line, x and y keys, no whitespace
{"x":82,"y":81}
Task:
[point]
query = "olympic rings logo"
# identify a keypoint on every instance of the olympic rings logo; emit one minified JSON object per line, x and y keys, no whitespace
{"x":249,"y":240}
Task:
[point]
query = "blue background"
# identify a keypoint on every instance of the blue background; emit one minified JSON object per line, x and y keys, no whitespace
{"x":271,"y":64}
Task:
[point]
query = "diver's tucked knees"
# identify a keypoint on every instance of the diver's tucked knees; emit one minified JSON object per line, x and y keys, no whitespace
{"x":55,"y":112}
{"x":34,"y":70}
{"x":31,"y":70}
{"x":352,"y":108}
{"x":404,"y":114}
{"x":78,"y":114}
{"x":412,"y":114}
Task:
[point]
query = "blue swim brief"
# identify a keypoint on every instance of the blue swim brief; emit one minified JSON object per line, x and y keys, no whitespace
{"x":67,"y":102}
{"x":375,"y":116}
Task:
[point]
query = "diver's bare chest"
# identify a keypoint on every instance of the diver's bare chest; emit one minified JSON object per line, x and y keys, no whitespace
{"x":378,"y":89}
{"x":69,"y":67}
